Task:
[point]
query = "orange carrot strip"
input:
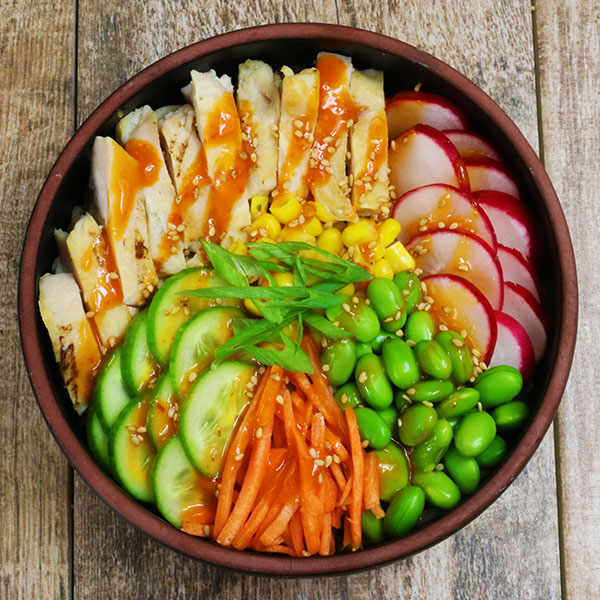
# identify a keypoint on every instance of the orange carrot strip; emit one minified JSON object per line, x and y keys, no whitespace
{"x":297,"y":400}
{"x":247,"y":532}
{"x":357,"y":451}
{"x":346,"y":493}
{"x":296,"y":533}
{"x":317,"y":431}
{"x":330,"y":491}
{"x":336,"y":517}
{"x":326,"y":535}
{"x":337,"y":445}
{"x":277,"y":527}
{"x":338,"y":475}
{"x":371,"y":485}
{"x":278,"y":434}
{"x":279,"y":548}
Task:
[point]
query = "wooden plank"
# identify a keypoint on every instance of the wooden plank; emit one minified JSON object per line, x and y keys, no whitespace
{"x":36,"y":120}
{"x":568,"y":37}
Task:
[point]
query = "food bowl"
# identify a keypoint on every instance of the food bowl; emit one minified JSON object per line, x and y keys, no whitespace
{"x":297,"y":46}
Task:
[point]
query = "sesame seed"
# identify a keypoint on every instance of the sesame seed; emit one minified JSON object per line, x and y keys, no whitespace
{"x":458,"y":343}
{"x":238,"y":457}
{"x":312,"y":452}
{"x":166,"y":312}
{"x":243,"y":155}
{"x":429,"y":299}
{"x":453,"y":225}
{"x":259,"y":433}
{"x":186,"y":310}
{"x":463,"y":333}
{"x":443,"y":327}
{"x":480,"y":407}
{"x":474,"y":351}
{"x":325,"y":367}
{"x":319,"y":462}
{"x":439,"y":467}
{"x":441,"y":225}
{"x":427,"y":403}
{"x":89,"y":314}
{"x":320,"y":478}
{"x":298,"y":133}
{"x":253,"y":157}
{"x":400,"y":333}
{"x":328,"y":460}
{"x":365,"y":443}
{"x":399,"y":422}
{"x":398,"y":315}
{"x":141,"y":429}
{"x":113,"y":275}
{"x":131,"y":428}
{"x":336,"y":459}
{"x":483,"y":366}
{"x":441,"y":203}
{"x":463,"y":267}
{"x":175,"y":309}
{"x":279,"y":399}
{"x":192,"y":377}
{"x":207,"y":530}
{"x":355,"y":300}
{"x":134,"y":440}
{"x":411,"y":343}
{"x":388,"y":319}
{"x":362,"y":377}
{"x":446,"y":309}
{"x":212,"y":231}
{"x":346,"y":307}
{"x":411,"y":391}
{"x":275,"y":376}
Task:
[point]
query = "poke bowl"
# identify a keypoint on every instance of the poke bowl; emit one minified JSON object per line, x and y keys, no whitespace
{"x":285,"y":305}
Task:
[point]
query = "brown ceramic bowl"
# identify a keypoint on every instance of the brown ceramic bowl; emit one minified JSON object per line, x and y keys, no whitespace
{"x":297,"y":45}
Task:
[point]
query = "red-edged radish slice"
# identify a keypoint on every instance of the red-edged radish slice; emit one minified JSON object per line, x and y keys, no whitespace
{"x":407,"y":109}
{"x":424,"y":208}
{"x":491,"y":175}
{"x":460,"y":254}
{"x":522,"y":306}
{"x":422,"y":156}
{"x":471,"y":146}
{"x":512,"y":222}
{"x":460,"y":306}
{"x":513,"y":346}
{"x":516,"y":269}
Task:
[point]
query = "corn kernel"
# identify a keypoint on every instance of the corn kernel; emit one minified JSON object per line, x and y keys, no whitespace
{"x":358,"y":258}
{"x":348,"y":290}
{"x":377,"y":252}
{"x":258,"y":206}
{"x":313,"y":226}
{"x":323,"y":214}
{"x":268,"y":225}
{"x":267,"y":240}
{"x":331,"y":241}
{"x":359,"y":234}
{"x":286,"y":208}
{"x":251,"y":307}
{"x":383,"y":269}
{"x":389,"y":231}
{"x":296,"y":235}
{"x":291,"y":331}
{"x":284,"y":279}
{"x":398,"y":258}
{"x":238,"y":247}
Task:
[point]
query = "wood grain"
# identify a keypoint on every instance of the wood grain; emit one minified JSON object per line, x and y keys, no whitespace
{"x":36,"y":120}
{"x":569,"y":57}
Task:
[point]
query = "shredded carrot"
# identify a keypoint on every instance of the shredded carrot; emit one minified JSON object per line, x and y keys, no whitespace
{"x":338,"y":474}
{"x":355,"y":508}
{"x":296,"y":533}
{"x":325,"y":535}
{"x":371,"y":485}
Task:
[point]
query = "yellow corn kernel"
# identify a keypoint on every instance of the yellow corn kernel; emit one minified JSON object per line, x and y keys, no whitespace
{"x":359,"y":234}
{"x":389,"y":231}
{"x":398,"y":258}
{"x":382,"y":269}
{"x":313,"y":226}
{"x":289,"y":234}
{"x":358,"y":258}
{"x":286,"y":208}
{"x":238,"y":247}
{"x":291,"y":331}
{"x":267,"y":225}
{"x":331,"y":241}
{"x":267,"y":240}
{"x":251,"y":307}
{"x":258,"y":206}
{"x":348,"y":290}
{"x":284,"y":279}
{"x":322,"y":213}
{"x":377,"y":252}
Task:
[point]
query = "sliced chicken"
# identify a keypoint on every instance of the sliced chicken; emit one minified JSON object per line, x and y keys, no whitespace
{"x":369,"y":143}
{"x":75,"y":347}
{"x":138,"y":133}
{"x":259,"y":108}
{"x":117,"y":180}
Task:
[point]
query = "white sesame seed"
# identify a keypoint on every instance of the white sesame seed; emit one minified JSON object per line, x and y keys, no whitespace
{"x":312,"y":452}
{"x":238,"y":457}
{"x":259,"y":433}
{"x":362,"y":377}
{"x":279,"y":399}
{"x":192,"y":377}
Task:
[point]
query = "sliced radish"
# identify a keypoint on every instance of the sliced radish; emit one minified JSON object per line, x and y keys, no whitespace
{"x":460,"y":306}
{"x":460,"y":254}
{"x":407,"y":109}
{"x":513,"y":346}
{"x":512,"y":222}
{"x":424,"y":208}
{"x":522,"y":306}
{"x":471,"y":146}
{"x":491,"y":175}
{"x":422,"y":156}
{"x":517,"y":269}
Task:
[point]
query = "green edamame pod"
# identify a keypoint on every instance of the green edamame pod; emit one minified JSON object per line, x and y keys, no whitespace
{"x":432,"y":390}
{"x":389,"y":416}
{"x":474,"y":433}
{"x":377,"y":343}
{"x":433,"y":359}
{"x":372,"y":427}
{"x":404,"y":511}
{"x":362,"y":348}
{"x":459,"y":353}
{"x":372,"y":528}
{"x":428,"y":454}
{"x":498,"y":385}
{"x":463,"y":470}
{"x":401,"y":399}
{"x":388,"y":302}
{"x":511,"y":415}
{"x":416,"y":424}
{"x":339,"y":360}
{"x":372,"y":382}
{"x":420,"y":325}
{"x":440,"y":490}
{"x":493,"y":454}
{"x":348,"y":395}
{"x":410,"y":287}
{"x":458,"y":403}
{"x":359,"y":320}
{"x":400,"y":363}
{"x":393,"y":471}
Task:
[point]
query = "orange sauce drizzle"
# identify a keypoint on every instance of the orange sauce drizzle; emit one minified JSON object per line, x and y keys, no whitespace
{"x":377,"y":148}
{"x":87,"y":357}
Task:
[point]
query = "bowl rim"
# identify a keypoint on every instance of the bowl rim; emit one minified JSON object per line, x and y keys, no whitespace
{"x":257,"y":563}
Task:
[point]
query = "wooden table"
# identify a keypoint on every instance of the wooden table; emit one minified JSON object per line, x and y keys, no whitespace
{"x":541,"y":63}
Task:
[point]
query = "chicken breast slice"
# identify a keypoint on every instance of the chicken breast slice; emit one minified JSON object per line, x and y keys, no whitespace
{"x":259,"y":108}
{"x":117,"y":180}
{"x":138,"y":133}
{"x":75,"y":347}
{"x":369,"y":144}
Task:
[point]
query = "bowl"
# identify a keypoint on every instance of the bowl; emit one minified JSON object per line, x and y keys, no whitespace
{"x":296,"y":45}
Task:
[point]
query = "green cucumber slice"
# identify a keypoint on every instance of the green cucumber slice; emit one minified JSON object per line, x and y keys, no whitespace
{"x":163,"y":412}
{"x":97,"y":439}
{"x":169,"y":310}
{"x":196,"y":343}
{"x":177,"y":484}
{"x":132,"y":461}
{"x":110,"y":393}
{"x":138,"y":366}
{"x":211,"y":409}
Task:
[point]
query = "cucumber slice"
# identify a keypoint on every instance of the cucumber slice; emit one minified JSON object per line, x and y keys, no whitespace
{"x":97,"y":439}
{"x":161,"y":426}
{"x":177,"y":484}
{"x":169,"y":310}
{"x":196,"y":343}
{"x":138,"y":366}
{"x":131,"y":452}
{"x":211,"y":409}
{"x":110,"y":393}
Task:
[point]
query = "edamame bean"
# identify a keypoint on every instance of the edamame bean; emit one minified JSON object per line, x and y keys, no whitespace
{"x":362,"y":348}
{"x":453,"y":421}
{"x":432,"y":390}
{"x":463,"y":470}
{"x":339,"y":360}
{"x":458,"y":403}
{"x":377,"y":343}
{"x":404,"y":511}
{"x":400,"y":363}
{"x":372,"y":528}
{"x":433,"y":359}
{"x":416,"y":424}
{"x":474,"y":433}
{"x":420,"y":325}
{"x":498,"y":385}
{"x":511,"y":415}
{"x":372,"y":382}
{"x":348,"y":395}
{"x":359,"y":320}
{"x":372,"y":427}
{"x":459,"y":353}
{"x":388,"y":302}
{"x":401,"y":399}
{"x":428,"y":454}
{"x":440,"y":490}
{"x":393,"y":471}
{"x":410,"y":287}
{"x":389,"y":416}
{"x":493,"y":454}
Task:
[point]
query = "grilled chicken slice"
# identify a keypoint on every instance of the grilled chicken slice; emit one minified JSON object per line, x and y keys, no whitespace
{"x":85,"y":251}
{"x":369,"y":143}
{"x":138,"y":133}
{"x":117,"y":181}
{"x":259,"y":108}
{"x":75,"y":347}
{"x":299,"y":108}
